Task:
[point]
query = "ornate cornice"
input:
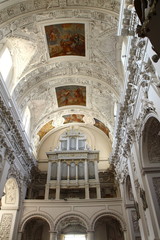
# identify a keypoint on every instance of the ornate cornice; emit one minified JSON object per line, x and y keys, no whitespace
{"x":32,"y":6}
{"x":12,"y":140}
{"x":130,"y":125}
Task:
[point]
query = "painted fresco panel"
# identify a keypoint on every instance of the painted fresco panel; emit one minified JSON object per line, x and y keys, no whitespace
{"x":67,"y":39}
{"x":101,"y":126}
{"x":73,"y":118}
{"x":45,"y":129}
{"x":71,"y":95}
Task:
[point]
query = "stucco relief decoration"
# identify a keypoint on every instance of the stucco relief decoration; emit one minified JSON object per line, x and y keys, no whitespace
{"x":71,"y":95}
{"x":65,"y":39}
{"x":5,"y":226}
{"x":11,"y":191}
{"x":71,"y":222}
{"x":156,"y":184}
{"x":45,"y":129}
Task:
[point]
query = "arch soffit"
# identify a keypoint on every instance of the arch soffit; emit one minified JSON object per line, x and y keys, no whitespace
{"x":141,"y":145}
{"x":109,"y":214}
{"x":25,"y":87}
{"x":45,"y":217}
{"x":61,"y":130}
{"x":78,"y":216}
{"x":41,"y":6}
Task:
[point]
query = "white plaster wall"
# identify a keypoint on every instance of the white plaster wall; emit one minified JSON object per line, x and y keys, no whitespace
{"x":96,"y":139}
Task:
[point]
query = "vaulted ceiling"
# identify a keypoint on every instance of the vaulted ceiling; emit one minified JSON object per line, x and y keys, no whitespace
{"x":66,"y":56}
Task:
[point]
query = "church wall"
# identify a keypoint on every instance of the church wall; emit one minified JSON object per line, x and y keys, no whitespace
{"x":95,"y":140}
{"x":87,"y":210}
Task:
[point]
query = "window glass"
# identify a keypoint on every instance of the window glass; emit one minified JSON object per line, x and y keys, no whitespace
{"x":64,"y":145}
{"x":72,"y":171}
{"x":72,"y":143}
{"x":91,"y":170}
{"x":5,"y":63}
{"x":26,"y":120}
{"x":64,"y":171}
{"x":81,"y":170}
{"x":81,"y":144}
{"x":75,"y":237}
{"x":54,"y":171}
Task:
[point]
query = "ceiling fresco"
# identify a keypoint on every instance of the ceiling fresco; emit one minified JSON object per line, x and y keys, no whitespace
{"x":71,"y":95}
{"x":101,"y":126}
{"x":45,"y":129}
{"x":66,"y":56}
{"x":66,"y":39}
{"x":72,"y":118}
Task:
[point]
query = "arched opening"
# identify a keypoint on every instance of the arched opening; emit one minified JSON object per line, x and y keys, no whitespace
{"x":26,"y":120}
{"x":108,"y":227}
{"x":36,"y":229}
{"x":72,"y":228}
{"x":151,"y":167}
{"x":151,"y":142}
{"x":6,"y":64}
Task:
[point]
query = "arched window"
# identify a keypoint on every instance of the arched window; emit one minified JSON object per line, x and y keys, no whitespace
{"x":72,"y":143}
{"x":54,"y":171}
{"x":151,"y":142}
{"x":72,"y":140}
{"x":64,"y":171}
{"x":91,"y":170}
{"x":81,"y":170}
{"x":72,"y":171}
{"x":6,"y":63}
{"x":26,"y":120}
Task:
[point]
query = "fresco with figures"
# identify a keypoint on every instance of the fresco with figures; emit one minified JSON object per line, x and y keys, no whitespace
{"x":67,"y":39}
{"x":101,"y":126}
{"x":45,"y":129}
{"x":73,"y":118}
{"x":71,"y":95}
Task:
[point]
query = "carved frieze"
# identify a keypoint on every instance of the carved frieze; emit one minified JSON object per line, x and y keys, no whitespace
{"x":12,"y":142}
{"x":10,"y":188}
{"x":5,"y":226}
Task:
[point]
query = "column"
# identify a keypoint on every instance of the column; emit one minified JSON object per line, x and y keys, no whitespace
{"x":90,"y":235}
{"x":86,"y":191}
{"x":68,"y":166}
{"x":47,"y":191}
{"x":86,"y":170}
{"x":77,"y":172}
{"x":53,"y":235}
{"x":19,"y":235}
{"x":96,"y":170}
{"x":59,"y":171}
{"x":57,"y":192}
{"x":86,"y":179}
{"x":49,"y":171}
{"x":98,"y":191}
{"x":77,"y":143}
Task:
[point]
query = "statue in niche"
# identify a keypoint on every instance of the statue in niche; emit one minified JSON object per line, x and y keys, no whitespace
{"x":137,"y":210}
{"x":143,"y":197}
{"x":135,"y":222}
